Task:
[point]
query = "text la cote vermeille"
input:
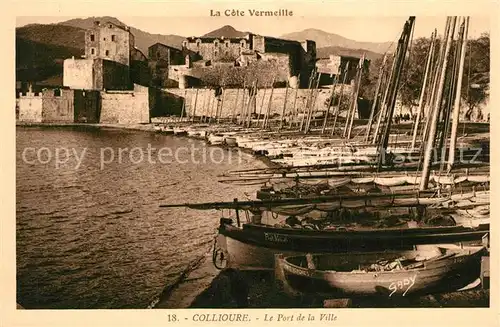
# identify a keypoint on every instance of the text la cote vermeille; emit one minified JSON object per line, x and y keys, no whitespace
{"x":251,"y":13}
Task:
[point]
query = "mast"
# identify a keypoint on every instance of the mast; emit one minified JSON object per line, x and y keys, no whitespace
{"x":251,"y":102}
{"x":330,"y":104}
{"x":266,"y":118}
{"x":456,"y":108}
{"x":242,"y":109}
{"x":375,"y":99}
{"x":337,"y":109}
{"x":355,"y":97}
{"x":195,"y":102}
{"x":312,"y":104}
{"x":235,"y":105}
{"x":311,"y":79}
{"x":424,"y":181}
{"x":403,"y":46}
{"x":261,"y":107}
{"x":422,"y":93}
{"x":292,"y":114}
{"x":383,"y":104}
{"x":284,"y":107}
{"x":446,"y":112}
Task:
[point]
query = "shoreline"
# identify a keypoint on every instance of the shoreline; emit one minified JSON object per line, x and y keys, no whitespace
{"x":200,"y":273}
{"x":199,"y":285}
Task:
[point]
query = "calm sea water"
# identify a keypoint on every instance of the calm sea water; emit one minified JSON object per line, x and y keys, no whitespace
{"x":92,"y":235}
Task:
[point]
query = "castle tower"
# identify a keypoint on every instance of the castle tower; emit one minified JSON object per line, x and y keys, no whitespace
{"x":109,"y":41}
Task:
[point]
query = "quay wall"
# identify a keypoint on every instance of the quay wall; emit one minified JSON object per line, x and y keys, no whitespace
{"x":125,"y":107}
{"x":205,"y":102}
{"x":30,"y":107}
{"x":58,"y":105}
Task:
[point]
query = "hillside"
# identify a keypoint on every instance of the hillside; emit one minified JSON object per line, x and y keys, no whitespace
{"x":226,"y":31}
{"x":325,"y":52}
{"x":143,"y":40}
{"x":41,"y":49}
{"x":324,"y":39}
{"x":37,"y":61}
{"x":53,"y":34}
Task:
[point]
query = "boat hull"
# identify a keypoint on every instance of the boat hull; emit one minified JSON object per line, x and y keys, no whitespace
{"x":439,"y":276}
{"x":254,"y":247}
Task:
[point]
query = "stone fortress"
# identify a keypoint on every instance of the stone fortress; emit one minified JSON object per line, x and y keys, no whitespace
{"x":115,"y":83}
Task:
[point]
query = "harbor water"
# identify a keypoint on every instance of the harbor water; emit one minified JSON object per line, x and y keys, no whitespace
{"x":90,"y":232}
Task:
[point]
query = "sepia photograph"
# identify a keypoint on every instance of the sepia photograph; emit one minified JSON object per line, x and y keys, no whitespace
{"x":216,"y":161}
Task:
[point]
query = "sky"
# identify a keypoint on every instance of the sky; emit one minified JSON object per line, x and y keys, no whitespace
{"x":360,"y":28}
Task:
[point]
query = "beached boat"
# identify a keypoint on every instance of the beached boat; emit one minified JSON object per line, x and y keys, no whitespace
{"x":254,"y":246}
{"x":333,"y":224}
{"x":294,"y":187}
{"x":388,"y":274}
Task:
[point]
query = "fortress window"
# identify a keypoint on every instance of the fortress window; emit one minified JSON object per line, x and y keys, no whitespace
{"x":57,"y":92}
{"x":216,"y":43}
{"x":107,"y":53}
{"x":110,"y":26}
{"x":92,"y":51}
{"x":113,"y":38}
{"x":92,"y":37}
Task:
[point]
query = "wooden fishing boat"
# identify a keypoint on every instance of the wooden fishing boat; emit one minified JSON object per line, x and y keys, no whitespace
{"x":387,"y":274}
{"x":254,"y":246}
{"x":293,"y":187}
{"x":318,"y":225}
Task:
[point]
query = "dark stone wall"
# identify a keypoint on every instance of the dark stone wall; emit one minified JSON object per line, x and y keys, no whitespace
{"x":116,"y":76}
{"x":140,"y":73}
{"x":87,"y":106}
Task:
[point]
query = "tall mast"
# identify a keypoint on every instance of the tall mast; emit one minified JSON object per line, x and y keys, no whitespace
{"x":422,"y":93}
{"x":403,"y":46}
{"x":424,"y":181}
{"x":456,"y":108}
{"x":355,"y":96}
{"x":383,"y":104}
{"x":375,"y":98}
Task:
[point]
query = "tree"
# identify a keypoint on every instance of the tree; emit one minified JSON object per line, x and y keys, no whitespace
{"x":414,"y":70}
{"x":475,"y":84}
{"x":476,"y":79}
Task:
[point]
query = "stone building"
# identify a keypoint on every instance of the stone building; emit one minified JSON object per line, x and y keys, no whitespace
{"x":288,"y":59}
{"x":109,"y":41}
{"x":335,"y":65}
{"x":161,"y":58}
{"x":109,"y":50}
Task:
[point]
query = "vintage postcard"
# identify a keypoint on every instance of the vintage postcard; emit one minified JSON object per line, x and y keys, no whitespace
{"x":328,"y":162}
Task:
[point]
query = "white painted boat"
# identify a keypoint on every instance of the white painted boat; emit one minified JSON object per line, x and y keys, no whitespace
{"x":216,"y":139}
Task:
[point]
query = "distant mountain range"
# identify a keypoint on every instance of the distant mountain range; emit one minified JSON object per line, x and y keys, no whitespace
{"x":143,"y":40}
{"x":226,"y":31}
{"x":324,"y":39}
{"x":41,"y":48}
